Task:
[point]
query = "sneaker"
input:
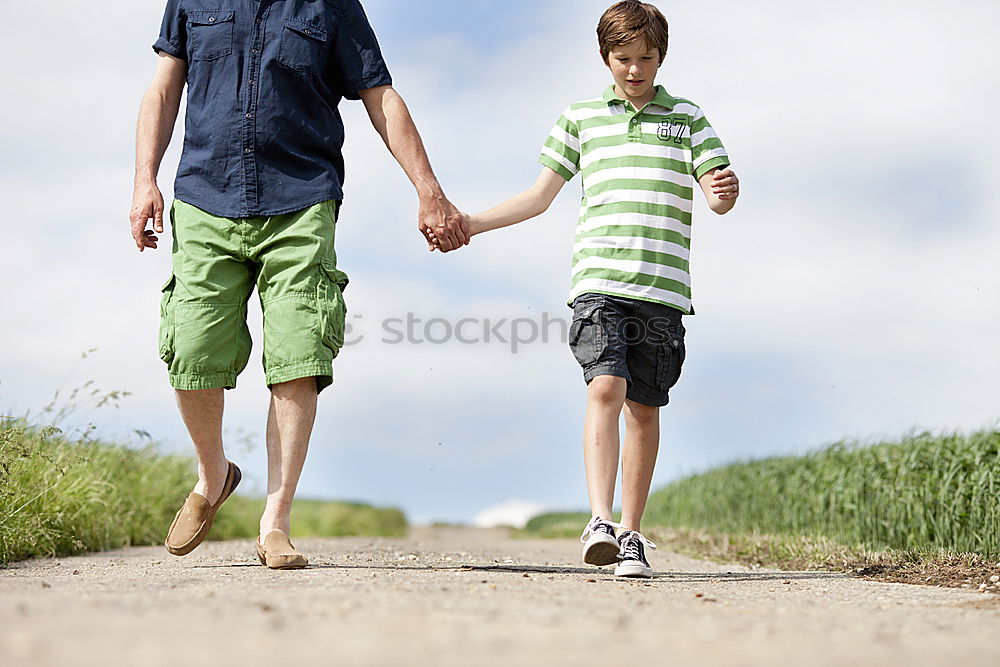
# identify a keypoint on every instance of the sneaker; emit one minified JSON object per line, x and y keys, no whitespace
{"x":632,"y":559}
{"x":600,"y":546}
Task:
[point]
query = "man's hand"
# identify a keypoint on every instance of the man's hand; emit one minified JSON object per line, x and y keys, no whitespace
{"x":725,"y":184}
{"x":444,"y":227}
{"x":147,"y":202}
{"x":434,"y":240}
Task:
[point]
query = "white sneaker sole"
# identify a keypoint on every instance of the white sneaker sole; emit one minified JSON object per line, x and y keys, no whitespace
{"x":634,"y":570}
{"x":601,"y":549}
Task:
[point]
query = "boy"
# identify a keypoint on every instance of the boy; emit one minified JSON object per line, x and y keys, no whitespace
{"x":640,"y":151}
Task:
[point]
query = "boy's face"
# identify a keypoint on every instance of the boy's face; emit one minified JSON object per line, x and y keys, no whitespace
{"x":634,"y":66}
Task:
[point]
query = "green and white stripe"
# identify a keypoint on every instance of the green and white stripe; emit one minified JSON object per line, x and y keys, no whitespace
{"x":639,"y":170}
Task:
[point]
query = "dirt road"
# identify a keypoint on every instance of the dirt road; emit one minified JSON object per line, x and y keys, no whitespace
{"x":448,"y":597}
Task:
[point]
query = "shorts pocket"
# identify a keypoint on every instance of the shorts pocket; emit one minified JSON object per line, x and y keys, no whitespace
{"x":670,"y":358}
{"x":587,"y":339}
{"x":332,"y":307}
{"x":303,"y":46}
{"x":166,"y":339}
{"x":210,"y":33}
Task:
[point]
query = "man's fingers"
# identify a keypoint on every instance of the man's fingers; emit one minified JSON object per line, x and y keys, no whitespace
{"x":457,"y":225}
{"x":463,"y":230}
{"x":448,"y":238}
{"x":158,"y":217}
{"x":137,"y":225}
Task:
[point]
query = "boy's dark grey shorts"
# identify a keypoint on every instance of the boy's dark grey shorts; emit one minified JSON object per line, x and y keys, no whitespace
{"x":640,"y":341}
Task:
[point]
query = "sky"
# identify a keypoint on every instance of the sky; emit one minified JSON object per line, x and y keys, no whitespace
{"x":851,"y":294}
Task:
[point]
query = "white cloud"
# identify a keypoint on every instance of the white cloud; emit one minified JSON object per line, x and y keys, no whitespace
{"x":514,"y":513}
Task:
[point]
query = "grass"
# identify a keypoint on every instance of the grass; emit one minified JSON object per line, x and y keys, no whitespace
{"x":60,"y":496}
{"x":934,"y":567}
{"x":924,"y":509}
{"x":556,"y":524}
{"x":924,"y":492}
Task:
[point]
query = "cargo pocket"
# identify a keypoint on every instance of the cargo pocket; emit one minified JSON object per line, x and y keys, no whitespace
{"x":167,"y":321}
{"x":586,"y":333}
{"x":332,"y":307}
{"x":303,"y":46}
{"x":211,"y":33}
{"x":670,"y":358}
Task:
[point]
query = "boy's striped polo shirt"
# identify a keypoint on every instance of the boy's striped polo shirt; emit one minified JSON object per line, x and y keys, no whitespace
{"x":639,"y":170}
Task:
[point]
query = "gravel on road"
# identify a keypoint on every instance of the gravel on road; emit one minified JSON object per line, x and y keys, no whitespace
{"x":467,"y":597}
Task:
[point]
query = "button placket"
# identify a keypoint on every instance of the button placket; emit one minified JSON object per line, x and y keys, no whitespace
{"x":635,"y":128}
{"x":250,"y":193}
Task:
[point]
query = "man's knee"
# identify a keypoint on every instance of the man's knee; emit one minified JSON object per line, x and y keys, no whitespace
{"x":297,"y":387}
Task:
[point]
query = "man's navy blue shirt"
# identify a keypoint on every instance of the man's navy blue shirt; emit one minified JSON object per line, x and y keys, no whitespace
{"x":263,"y":135}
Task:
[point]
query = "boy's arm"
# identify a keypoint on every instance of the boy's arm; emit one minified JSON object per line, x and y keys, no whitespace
{"x":533,"y":201}
{"x":721,"y":188}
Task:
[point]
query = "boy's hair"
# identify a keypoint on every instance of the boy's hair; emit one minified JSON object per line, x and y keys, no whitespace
{"x":630,"y":20}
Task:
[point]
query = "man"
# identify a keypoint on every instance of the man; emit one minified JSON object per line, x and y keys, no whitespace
{"x":258,"y":190}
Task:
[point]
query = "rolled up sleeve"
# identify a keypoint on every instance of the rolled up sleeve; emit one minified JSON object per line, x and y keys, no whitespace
{"x":357,"y":59}
{"x":173,"y":34}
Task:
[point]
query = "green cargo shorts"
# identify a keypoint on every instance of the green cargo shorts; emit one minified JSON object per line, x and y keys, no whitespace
{"x":217,"y":261}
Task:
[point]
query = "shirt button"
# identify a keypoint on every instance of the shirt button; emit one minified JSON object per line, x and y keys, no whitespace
{"x":246,"y":150}
{"x":251,"y":82}
{"x":258,"y":20}
{"x":249,"y":115}
{"x":211,"y":19}
{"x":253,"y":50}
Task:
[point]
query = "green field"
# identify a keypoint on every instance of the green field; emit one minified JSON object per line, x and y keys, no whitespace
{"x":924,"y":492}
{"x":61,"y":497}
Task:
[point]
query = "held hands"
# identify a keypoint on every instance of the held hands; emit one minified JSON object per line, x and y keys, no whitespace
{"x":444,"y":227}
{"x":147,"y":202}
{"x":725,"y":184}
{"x":434,"y":235}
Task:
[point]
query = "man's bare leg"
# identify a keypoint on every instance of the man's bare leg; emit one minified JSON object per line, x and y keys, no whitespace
{"x":642,"y":442}
{"x":201,"y":411}
{"x":289,"y":425}
{"x":605,"y":395}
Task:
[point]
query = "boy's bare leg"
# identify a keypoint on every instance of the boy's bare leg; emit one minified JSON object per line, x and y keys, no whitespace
{"x":201,"y":411}
{"x":605,"y":395}
{"x":289,"y":425}
{"x":642,"y":441}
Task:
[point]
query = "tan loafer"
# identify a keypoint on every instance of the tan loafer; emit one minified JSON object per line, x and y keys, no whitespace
{"x":278,"y":553}
{"x":194,"y":518}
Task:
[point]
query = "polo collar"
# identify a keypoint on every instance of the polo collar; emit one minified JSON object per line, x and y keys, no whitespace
{"x":661,"y":98}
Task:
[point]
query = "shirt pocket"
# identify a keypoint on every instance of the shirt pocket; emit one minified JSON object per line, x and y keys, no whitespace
{"x":303,"y":46}
{"x":210,"y":33}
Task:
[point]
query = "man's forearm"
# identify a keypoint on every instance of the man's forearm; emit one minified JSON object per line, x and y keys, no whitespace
{"x":157,"y":115}
{"x":393,"y":122}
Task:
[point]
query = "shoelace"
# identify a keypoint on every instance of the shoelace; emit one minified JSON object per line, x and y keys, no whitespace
{"x":631,"y":549}
{"x":592,"y":527}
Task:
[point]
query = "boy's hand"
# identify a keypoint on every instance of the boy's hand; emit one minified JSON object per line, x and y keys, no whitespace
{"x":725,"y":184}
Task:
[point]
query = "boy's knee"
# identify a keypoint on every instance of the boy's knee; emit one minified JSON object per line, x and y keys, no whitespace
{"x":642,"y":415}
{"x":607,"y":389}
